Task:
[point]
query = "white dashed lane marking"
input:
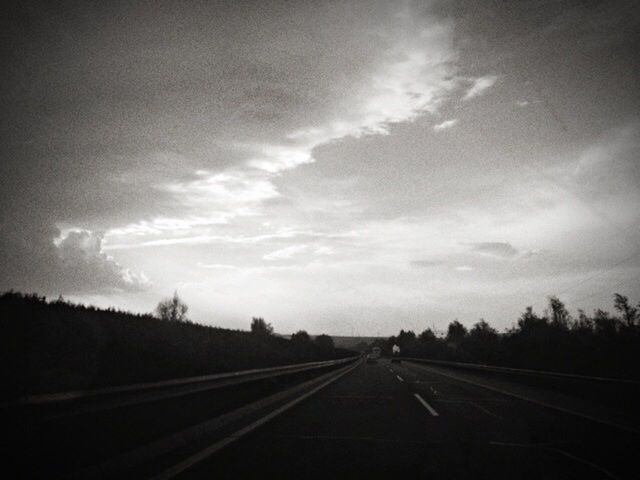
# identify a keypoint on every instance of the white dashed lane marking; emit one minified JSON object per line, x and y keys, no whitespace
{"x":429,"y":408}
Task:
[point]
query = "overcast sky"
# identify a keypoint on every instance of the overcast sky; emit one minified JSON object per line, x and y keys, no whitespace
{"x":340,"y":167}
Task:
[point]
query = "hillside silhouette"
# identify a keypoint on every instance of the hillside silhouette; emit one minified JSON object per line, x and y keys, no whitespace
{"x":52,"y":346}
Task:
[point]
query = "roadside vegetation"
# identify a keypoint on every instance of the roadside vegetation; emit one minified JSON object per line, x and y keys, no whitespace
{"x":51,"y":346}
{"x":600,"y":343}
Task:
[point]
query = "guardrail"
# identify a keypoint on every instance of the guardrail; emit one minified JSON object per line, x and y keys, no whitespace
{"x":283,"y":401}
{"x":522,"y":371}
{"x":89,"y":401}
{"x":215,"y":420}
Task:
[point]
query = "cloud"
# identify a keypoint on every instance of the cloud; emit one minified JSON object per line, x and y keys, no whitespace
{"x":479,"y":86}
{"x":276,"y":158}
{"x":286,"y":253}
{"x":405,"y":69}
{"x":217,"y":266}
{"x":186,"y":141}
{"x":446,"y":124}
{"x":232,"y":192}
{"x":426,"y":263}
{"x":85,"y":265}
{"x":70,"y":263}
{"x":204,"y":239}
{"x":295,"y":250}
{"x":610,"y":165}
{"x":533,"y":253}
{"x":498,"y":249}
{"x":224,"y":196}
{"x":409,"y":78}
{"x":605,"y":178}
{"x":324,"y":250}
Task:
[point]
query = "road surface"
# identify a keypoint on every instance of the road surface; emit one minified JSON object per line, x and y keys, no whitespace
{"x":409,"y":421}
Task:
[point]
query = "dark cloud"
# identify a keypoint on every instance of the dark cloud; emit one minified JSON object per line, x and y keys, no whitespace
{"x":104,"y":105}
{"x":37,"y":259}
{"x":83,"y":260}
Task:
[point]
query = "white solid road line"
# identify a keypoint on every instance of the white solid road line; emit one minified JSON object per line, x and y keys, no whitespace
{"x":426,"y":405}
{"x":399,"y":378}
{"x":180,"y":467}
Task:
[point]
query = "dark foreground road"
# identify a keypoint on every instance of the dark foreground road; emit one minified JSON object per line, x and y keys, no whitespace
{"x":409,"y":421}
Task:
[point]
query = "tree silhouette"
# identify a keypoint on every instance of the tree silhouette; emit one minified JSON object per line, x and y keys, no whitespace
{"x":325,"y":342}
{"x":629,"y":313}
{"x":584,"y":323}
{"x":406,"y":340}
{"x":559,"y":315}
{"x":456,"y":332}
{"x":604,"y":324}
{"x":172,"y":309}
{"x":596,"y":344}
{"x":261,"y":328}
{"x":482,"y":342}
{"x":51,"y":346}
{"x":427,"y":336}
{"x":300,"y":338}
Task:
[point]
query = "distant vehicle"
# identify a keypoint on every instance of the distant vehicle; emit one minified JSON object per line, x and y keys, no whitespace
{"x":395,"y":354}
{"x":374,"y":355}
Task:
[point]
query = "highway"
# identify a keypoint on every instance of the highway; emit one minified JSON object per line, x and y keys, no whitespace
{"x":335,"y":419}
{"x":408,"y":420}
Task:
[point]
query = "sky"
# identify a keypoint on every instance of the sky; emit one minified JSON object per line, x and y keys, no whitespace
{"x":347,"y":167}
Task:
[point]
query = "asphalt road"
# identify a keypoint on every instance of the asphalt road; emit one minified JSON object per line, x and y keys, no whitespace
{"x":409,"y":421}
{"x":42,"y":441}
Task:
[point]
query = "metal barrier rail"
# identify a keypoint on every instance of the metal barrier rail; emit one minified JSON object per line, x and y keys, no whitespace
{"x":521,"y":371}
{"x":283,"y":400}
{"x":126,"y":395}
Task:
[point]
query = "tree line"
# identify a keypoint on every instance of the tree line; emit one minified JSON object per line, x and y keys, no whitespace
{"x":50,"y":346}
{"x":600,"y":343}
{"x":173,"y":309}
